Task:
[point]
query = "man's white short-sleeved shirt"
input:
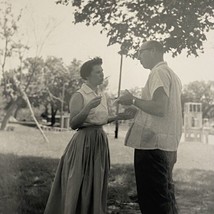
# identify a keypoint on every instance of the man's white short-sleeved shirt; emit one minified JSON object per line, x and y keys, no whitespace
{"x":153,"y":132}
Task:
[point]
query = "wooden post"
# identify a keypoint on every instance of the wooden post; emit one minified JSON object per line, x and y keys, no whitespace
{"x":118,"y":95}
{"x":24,"y":95}
{"x":33,"y":116}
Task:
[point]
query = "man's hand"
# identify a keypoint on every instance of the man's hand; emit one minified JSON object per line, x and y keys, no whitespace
{"x":125,"y":99}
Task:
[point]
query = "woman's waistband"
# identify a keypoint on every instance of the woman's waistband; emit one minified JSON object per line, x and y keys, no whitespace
{"x":90,"y":127}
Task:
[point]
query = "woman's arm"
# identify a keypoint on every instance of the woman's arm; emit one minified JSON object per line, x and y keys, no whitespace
{"x":128,"y":114}
{"x":112,"y":119}
{"x":79,"y":113}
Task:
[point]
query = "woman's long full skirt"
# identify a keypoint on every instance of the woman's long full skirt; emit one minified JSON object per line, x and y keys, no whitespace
{"x":80,"y":184}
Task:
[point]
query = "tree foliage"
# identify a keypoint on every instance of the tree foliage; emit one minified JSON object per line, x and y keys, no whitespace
{"x":45,"y":81}
{"x":8,"y":30}
{"x":51,"y":79}
{"x":180,"y":24}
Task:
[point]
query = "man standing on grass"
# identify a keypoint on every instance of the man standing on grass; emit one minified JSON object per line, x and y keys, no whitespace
{"x":156,"y":132}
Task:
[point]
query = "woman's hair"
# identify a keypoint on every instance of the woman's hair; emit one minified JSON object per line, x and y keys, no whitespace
{"x":87,"y":67}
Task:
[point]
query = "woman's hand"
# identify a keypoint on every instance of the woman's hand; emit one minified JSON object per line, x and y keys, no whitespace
{"x":128,"y":114}
{"x":123,"y":116}
{"x":94,"y":103}
{"x":131,"y":110}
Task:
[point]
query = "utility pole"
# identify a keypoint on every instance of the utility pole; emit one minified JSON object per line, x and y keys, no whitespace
{"x":118,"y":95}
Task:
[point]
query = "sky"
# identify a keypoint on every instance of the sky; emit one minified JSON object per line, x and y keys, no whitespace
{"x":68,"y":41}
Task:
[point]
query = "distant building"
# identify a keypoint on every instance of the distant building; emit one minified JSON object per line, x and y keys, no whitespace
{"x":193,"y":123}
{"x":192,"y":115}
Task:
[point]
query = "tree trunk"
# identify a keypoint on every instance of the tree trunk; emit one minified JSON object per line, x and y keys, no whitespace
{"x":53,"y":115}
{"x":9,"y":113}
{"x":16,"y":112}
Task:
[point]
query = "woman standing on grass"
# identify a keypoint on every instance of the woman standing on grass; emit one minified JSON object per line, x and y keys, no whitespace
{"x":80,"y":185}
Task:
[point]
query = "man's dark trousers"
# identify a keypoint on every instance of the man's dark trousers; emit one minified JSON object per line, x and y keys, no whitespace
{"x":155,"y":188}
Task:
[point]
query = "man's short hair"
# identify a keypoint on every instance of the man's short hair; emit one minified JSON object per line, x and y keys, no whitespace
{"x":155,"y":44}
{"x":87,"y":67}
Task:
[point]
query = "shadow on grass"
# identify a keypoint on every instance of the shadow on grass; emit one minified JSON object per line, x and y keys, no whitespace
{"x":194,"y":191}
{"x":25,"y":184}
{"x":30,"y":180}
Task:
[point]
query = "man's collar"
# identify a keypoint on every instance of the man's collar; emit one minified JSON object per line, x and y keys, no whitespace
{"x":159,"y":64}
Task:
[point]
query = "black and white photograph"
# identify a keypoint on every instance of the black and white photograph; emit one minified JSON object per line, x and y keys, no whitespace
{"x":106,"y":107}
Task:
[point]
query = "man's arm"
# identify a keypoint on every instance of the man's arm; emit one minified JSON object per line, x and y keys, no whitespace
{"x":157,"y":106}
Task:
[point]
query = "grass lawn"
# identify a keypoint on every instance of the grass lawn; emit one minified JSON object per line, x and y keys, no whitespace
{"x":28,"y":164}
